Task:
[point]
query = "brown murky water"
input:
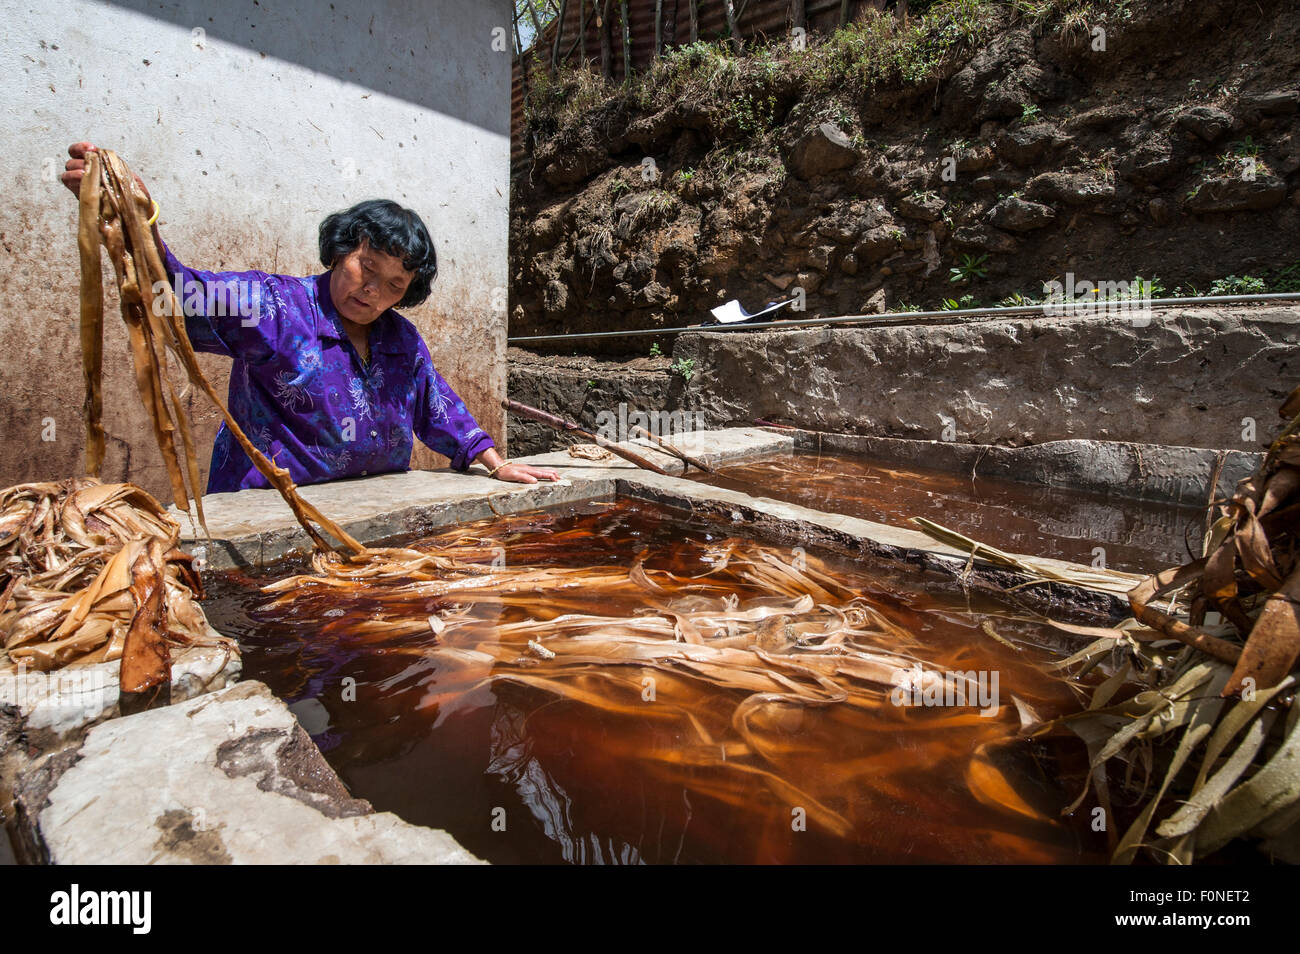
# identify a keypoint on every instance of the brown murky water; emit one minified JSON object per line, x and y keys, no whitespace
{"x":1134,"y":535}
{"x":579,"y":758}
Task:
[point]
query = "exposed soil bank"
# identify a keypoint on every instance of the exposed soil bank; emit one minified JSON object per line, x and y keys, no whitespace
{"x":1170,"y":152}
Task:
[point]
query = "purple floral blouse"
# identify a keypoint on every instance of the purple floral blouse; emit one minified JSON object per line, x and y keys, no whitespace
{"x":300,"y":391}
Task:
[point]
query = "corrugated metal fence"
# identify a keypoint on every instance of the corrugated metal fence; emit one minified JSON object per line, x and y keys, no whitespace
{"x":761,"y":18}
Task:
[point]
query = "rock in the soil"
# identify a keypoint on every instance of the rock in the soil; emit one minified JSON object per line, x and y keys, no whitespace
{"x":1024,"y":147}
{"x":1069,"y":188}
{"x":1020,"y":215}
{"x":875,"y":305}
{"x":1207,"y":122}
{"x":1160,"y":210}
{"x":927,"y":207}
{"x":823,"y":150}
{"x":1150,"y":163}
{"x":1278,"y":102}
{"x":569,"y":166}
{"x":876,"y":244}
{"x":983,"y":237}
{"x":1101,"y":117}
{"x":1236,"y":194}
{"x":975,"y":160}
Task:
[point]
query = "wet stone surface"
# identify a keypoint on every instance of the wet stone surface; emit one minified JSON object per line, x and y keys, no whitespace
{"x":1064,"y":524}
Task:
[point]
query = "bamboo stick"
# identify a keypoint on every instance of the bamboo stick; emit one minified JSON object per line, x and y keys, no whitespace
{"x":561,"y":424}
{"x":559,"y":32}
{"x":730,"y":7}
{"x":627,"y":43}
{"x":676,"y":452}
{"x":606,"y":53}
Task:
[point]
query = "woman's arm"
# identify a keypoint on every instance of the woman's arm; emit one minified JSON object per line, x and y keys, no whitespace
{"x":442,"y":422}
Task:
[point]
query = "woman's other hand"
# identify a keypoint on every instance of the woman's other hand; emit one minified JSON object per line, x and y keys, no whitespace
{"x":524,"y":474}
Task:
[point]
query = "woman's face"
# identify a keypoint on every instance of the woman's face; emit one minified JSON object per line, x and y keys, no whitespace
{"x":365,"y":283}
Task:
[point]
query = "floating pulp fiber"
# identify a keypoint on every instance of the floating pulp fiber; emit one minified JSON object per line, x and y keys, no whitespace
{"x":1230,"y":628}
{"x":91,"y":573}
{"x":738,"y":657}
{"x":114,"y":211}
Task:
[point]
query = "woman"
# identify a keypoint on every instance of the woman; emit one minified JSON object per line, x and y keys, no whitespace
{"x":328,"y":380}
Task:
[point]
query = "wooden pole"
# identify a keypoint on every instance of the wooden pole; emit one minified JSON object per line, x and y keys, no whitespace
{"x":559,"y":32}
{"x":561,"y":424}
{"x":730,"y":7}
{"x":695,"y":21}
{"x":799,"y":14}
{"x":523,"y":65}
{"x":627,"y":42}
{"x":606,"y":54}
{"x":844,"y":12}
{"x":675,"y":451}
{"x":582,"y":31}
{"x":659,"y":27}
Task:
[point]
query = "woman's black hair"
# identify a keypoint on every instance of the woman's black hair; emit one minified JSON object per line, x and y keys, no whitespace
{"x":390,"y":229}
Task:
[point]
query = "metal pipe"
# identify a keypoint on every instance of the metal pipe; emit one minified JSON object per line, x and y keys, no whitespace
{"x":1115,"y":307}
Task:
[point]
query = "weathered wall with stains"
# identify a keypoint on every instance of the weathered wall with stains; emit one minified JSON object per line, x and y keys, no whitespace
{"x":250,"y":121}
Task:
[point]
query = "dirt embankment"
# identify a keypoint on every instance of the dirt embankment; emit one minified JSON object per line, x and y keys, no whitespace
{"x":1165,"y":146}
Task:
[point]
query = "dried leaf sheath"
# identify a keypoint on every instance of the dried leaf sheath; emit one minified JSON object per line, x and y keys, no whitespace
{"x":71,"y":554}
{"x":147,"y":354}
{"x":1250,"y":576}
{"x":117,"y":209}
{"x":146,"y":655}
{"x":92,"y":314}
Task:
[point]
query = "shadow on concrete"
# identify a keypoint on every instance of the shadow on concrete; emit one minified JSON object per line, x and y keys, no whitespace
{"x":416,"y":52}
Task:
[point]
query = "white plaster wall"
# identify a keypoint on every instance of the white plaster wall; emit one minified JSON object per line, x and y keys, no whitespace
{"x":249,"y":122}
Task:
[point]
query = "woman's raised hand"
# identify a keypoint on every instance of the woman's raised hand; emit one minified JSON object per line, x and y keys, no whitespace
{"x":75,"y":168}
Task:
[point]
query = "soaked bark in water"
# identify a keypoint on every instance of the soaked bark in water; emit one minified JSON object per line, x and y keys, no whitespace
{"x":681,"y":708}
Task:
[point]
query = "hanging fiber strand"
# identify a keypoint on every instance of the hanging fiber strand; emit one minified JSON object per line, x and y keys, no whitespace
{"x":114,"y":212}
